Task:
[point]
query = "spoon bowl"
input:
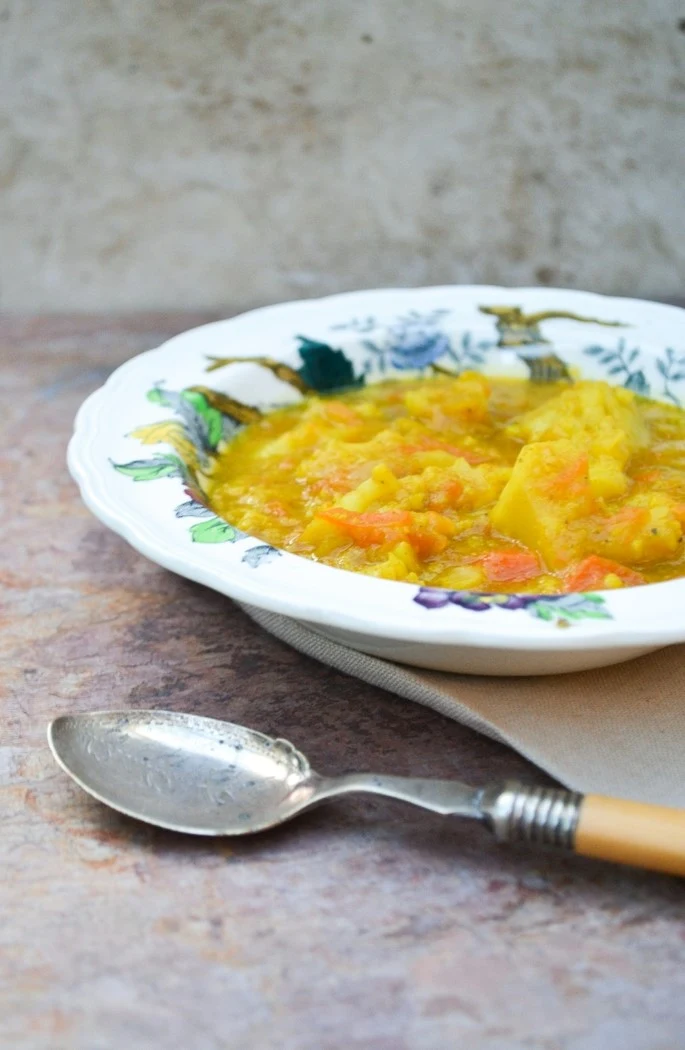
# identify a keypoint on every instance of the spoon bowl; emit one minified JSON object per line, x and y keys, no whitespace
{"x":184,"y":772}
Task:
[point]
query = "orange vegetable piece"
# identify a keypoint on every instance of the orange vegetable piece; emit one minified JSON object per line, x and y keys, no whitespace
{"x":430,"y":445}
{"x":591,"y":574}
{"x":339,"y":412}
{"x":505,"y":566}
{"x":648,"y":477}
{"x":446,"y":496}
{"x":570,"y":482}
{"x":628,"y":522}
{"x":336,"y":481}
{"x":434,"y":537}
{"x":368,"y":528}
{"x":277,"y":509}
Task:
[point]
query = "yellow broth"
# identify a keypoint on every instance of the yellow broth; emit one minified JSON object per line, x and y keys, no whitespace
{"x":469,"y":483}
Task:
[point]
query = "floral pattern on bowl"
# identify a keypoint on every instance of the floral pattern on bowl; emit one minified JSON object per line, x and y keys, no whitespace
{"x":559,"y":609}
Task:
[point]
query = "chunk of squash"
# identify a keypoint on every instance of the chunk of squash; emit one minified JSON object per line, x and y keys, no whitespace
{"x":549,"y":489}
{"x":467,"y":403}
{"x":607,"y":480}
{"x":603,"y":418}
{"x":379,"y":488}
{"x":647,"y":529}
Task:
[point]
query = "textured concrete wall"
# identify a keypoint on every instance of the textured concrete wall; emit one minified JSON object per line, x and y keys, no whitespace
{"x":196,"y":153}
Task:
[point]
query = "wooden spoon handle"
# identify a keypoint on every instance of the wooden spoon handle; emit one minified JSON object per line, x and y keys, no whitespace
{"x":631,"y":833}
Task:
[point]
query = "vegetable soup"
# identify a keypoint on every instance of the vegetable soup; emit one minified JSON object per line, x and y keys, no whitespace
{"x":468,"y":482}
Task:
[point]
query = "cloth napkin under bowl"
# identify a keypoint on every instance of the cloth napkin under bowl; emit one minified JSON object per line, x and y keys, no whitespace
{"x":614,"y":731}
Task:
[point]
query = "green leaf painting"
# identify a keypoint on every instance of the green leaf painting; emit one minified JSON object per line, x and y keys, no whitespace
{"x":216,"y":530}
{"x":211,"y":416}
{"x":156,"y":396}
{"x":160,"y":466}
{"x":325,"y":369}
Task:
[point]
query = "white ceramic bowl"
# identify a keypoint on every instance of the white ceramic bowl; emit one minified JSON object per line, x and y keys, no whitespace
{"x":140,"y":440}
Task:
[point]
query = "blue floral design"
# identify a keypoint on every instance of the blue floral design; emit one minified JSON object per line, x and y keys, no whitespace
{"x":413,"y":347}
{"x":263,"y":552}
{"x":192,"y":508}
{"x":672,"y":368}
{"x":361,"y":325}
{"x":469,"y":354}
{"x":415,"y":341}
{"x":622,"y":362}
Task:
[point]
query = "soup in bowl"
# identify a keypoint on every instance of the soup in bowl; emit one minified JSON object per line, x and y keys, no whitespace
{"x":468,"y":482}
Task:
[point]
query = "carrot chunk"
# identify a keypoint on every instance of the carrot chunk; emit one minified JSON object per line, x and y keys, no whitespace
{"x":339,"y":412}
{"x":427,"y":533}
{"x":571,"y":481}
{"x":426,"y":444}
{"x":595,"y":573}
{"x":506,"y":566}
{"x":446,"y":496}
{"x":369,"y":527}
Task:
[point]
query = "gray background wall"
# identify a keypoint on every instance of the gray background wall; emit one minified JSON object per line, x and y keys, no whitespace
{"x":190,"y":153}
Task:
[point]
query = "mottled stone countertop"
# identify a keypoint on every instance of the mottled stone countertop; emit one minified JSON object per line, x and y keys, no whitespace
{"x":365,"y":925}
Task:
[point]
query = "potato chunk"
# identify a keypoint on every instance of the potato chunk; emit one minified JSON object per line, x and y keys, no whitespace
{"x":647,"y":529}
{"x":549,"y":488}
{"x":603,"y":418}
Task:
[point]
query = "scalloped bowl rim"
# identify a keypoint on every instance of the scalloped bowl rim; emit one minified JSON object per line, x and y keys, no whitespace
{"x":386,"y":610}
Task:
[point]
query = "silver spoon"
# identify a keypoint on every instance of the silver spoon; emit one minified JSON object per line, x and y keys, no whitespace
{"x":206,"y":777}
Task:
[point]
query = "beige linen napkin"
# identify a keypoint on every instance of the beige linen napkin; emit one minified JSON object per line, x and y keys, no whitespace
{"x":616,"y":731}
